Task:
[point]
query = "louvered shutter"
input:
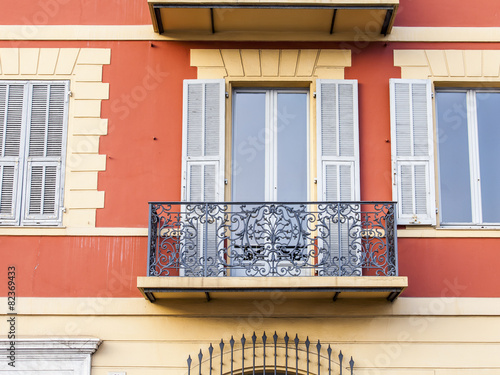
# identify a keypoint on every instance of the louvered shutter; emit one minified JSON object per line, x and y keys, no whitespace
{"x":412,"y":151}
{"x":203,"y":161}
{"x":338,"y":170}
{"x":45,"y":152}
{"x":12,"y":97}
{"x":338,"y":140}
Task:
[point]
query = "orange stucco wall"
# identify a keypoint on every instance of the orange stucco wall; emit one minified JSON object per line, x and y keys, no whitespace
{"x":452,"y":13}
{"x":75,"y":12}
{"x":74,"y":266}
{"x":136,"y":12}
{"x":451,"y":267}
{"x":109,"y":266}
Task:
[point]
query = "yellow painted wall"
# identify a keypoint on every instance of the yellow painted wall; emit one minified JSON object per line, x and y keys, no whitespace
{"x":431,"y":336}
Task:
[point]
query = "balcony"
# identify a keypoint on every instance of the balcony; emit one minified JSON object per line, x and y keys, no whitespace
{"x":272,"y":19}
{"x":332,"y":247}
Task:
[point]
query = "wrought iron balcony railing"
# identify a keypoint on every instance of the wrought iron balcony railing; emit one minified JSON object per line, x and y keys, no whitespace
{"x":272,"y":239}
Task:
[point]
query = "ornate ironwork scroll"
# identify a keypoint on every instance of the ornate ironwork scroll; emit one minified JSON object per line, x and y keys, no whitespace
{"x":272,"y":239}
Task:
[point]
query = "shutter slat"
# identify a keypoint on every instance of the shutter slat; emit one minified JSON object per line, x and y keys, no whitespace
{"x":12,"y":120}
{"x":3,"y":105}
{"x":212,"y":119}
{"x":346,"y":120}
{"x":331,"y":184}
{"x":328,"y":116}
{"x":412,"y":151}
{"x":38,"y":121}
{"x":420,"y":121}
{"x":55,"y":126}
{"x":43,"y":190}
{"x":8,"y":189}
{"x":194,"y":121}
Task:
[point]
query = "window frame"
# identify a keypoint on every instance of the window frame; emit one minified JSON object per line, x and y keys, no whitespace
{"x":473,"y":158}
{"x":22,"y":200}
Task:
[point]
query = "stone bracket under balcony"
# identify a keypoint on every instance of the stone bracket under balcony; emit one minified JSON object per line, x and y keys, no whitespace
{"x":329,"y":287}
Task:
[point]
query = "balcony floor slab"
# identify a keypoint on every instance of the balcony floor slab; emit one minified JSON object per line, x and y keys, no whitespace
{"x":212,"y":288}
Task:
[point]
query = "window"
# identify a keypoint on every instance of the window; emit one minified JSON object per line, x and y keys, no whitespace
{"x":270,"y":162}
{"x":33,"y":122}
{"x":270,"y":145}
{"x":468,"y":129}
{"x":276,"y":122}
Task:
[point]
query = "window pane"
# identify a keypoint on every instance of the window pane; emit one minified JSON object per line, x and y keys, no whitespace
{"x":292,"y":147}
{"x":488,"y":128}
{"x":454,"y":170}
{"x":249,"y":143}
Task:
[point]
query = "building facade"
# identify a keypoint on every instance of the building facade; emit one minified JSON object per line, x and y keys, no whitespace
{"x":249,"y":187}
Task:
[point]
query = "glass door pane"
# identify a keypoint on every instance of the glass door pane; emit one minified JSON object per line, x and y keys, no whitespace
{"x":291,"y":133}
{"x":454,"y":165}
{"x":488,"y":129}
{"x":249,"y":146}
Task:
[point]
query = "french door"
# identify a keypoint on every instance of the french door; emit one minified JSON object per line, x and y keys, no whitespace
{"x":270,"y":145}
{"x":269,"y":164}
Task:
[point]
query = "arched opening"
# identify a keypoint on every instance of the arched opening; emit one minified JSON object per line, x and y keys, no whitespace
{"x":270,"y":355}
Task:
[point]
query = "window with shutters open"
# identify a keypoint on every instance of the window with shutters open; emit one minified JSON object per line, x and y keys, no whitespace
{"x":412,"y":151}
{"x":261,"y":115}
{"x":468,"y":154}
{"x":33,"y":122}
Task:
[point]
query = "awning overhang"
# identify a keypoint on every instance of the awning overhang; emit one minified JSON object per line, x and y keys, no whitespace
{"x":230,"y":18}
{"x":361,"y":287}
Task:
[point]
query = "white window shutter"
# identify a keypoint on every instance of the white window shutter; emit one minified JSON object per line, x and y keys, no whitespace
{"x":12,"y":97}
{"x":338,"y":172}
{"x":337,"y":140}
{"x":203,"y":129}
{"x":412,"y":149}
{"x":203,"y":140}
{"x":45,"y":152}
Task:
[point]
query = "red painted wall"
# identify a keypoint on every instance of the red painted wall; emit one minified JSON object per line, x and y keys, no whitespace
{"x":450,"y":267}
{"x":480,"y":13}
{"x":74,"y":266}
{"x":109,"y":266}
{"x":74,"y":12}
{"x":451,"y":13}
